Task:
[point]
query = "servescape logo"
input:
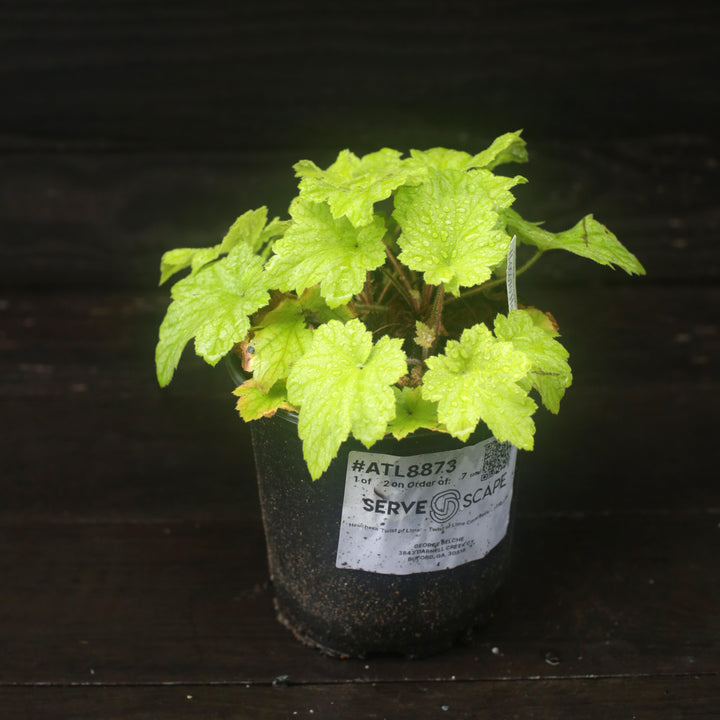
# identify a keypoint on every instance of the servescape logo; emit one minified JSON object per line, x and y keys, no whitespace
{"x":445,"y":505}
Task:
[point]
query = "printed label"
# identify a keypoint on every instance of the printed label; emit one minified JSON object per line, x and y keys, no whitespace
{"x":422,"y":513}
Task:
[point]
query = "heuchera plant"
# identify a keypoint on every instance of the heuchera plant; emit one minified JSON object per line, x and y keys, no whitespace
{"x":379,"y":306}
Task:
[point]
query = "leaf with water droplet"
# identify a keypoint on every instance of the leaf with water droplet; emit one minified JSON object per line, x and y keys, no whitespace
{"x":342,"y":385}
{"x":412,"y":413}
{"x":509,"y":147}
{"x":352,"y":185}
{"x":213,"y":306}
{"x":476,"y":378}
{"x":318,"y":249}
{"x":550,"y":373}
{"x":454,"y":248}
{"x":281,"y":338}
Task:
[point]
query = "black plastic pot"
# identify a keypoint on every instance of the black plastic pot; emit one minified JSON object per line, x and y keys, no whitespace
{"x":354,"y":612}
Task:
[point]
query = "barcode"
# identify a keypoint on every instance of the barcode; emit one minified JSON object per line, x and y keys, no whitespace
{"x":497,"y":457}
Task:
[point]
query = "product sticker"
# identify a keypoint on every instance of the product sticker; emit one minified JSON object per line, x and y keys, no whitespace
{"x":404,"y":515}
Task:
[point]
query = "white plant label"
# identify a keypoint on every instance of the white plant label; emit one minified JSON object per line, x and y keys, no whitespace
{"x":510,"y":275}
{"x":404,"y":515}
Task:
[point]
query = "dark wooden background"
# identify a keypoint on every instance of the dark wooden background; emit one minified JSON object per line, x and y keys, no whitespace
{"x":133,"y":581}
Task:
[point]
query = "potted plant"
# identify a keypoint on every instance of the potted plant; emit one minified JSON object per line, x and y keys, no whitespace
{"x":390,"y":375}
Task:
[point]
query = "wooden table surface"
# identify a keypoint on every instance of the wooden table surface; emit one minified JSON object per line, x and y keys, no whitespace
{"x":133,"y":577}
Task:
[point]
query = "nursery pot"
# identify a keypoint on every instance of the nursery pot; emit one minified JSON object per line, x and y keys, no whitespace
{"x":395,"y":549}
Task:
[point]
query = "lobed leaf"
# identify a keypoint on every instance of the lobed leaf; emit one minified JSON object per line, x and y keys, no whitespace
{"x":254,"y":402}
{"x":213,"y":306}
{"x":550,"y":373}
{"x":342,"y":385}
{"x":249,"y":228}
{"x":281,"y":339}
{"x":351,"y":185}
{"x":589,"y":239}
{"x":313,"y":303}
{"x":509,"y":147}
{"x":477,"y":379}
{"x":412,"y":412}
{"x":450,"y":226}
{"x":173,"y":261}
{"x":544,"y":320}
{"x":319,"y":249}
{"x":424,"y":335}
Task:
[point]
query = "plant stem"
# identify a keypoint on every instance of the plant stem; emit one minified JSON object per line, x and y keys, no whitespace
{"x":437,"y":310}
{"x":366,"y":296}
{"x":386,"y":287}
{"x":436,"y":319}
{"x":427,"y":294}
{"x":402,"y":291}
{"x":410,"y":292}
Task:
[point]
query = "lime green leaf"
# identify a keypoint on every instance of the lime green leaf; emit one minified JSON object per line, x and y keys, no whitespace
{"x":550,"y":373}
{"x":213,"y":306}
{"x":497,"y":186}
{"x":318,"y":249}
{"x":314,"y":303}
{"x":174,"y":261}
{"x":424,"y":335}
{"x":544,"y":320}
{"x":351,"y":186}
{"x":450,"y":226}
{"x":283,"y":337}
{"x":255,"y":403}
{"x":440,"y":158}
{"x":476,"y":379}
{"x":412,"y":413}
{"x":342,"y":386}
{"x":509,"y":147}
{"x":589,"y":239}
{"x":274,"y":229}
{"x":249,"y":228}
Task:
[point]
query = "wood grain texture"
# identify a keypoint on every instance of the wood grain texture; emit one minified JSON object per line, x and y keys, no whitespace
{"x":104,"y":220}
{"x":77,"y":376}
{"x":590,"y":698}
{"x":134,"y":581}
{"x":275,"y":74}
{"x":626,"y":595}
{"x":52,"y":342}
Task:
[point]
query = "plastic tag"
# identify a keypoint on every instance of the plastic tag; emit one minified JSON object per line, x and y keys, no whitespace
{"x":423,"y":513}
{"x":510,"y":275}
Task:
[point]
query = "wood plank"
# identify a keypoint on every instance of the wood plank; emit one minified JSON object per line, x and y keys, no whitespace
{"x":131,"y":549}
{"x":103,"y":220}
{"x":93,"y":436}
{"x":184,"y":458}
{"x":64,"y":343}
{"x":273,"y":75}
{"x":588,"y":698}
{"x":587,"y":596}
